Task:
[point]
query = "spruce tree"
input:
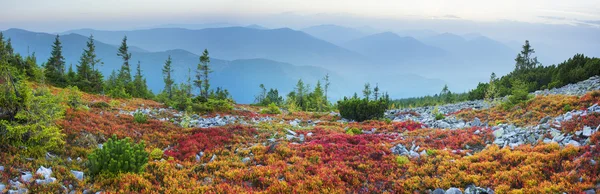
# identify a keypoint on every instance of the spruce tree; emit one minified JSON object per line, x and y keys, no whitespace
{"x":55,"y":67}
{"x":205,"y":61}
{"x":167,"y":77}
{"x":71,"y":76}
{"x":140,"y":88}
{"x":89,"y":79}
{"x":125,"y":72}
{"x":327,"y":83}
{"x":524,"y":60}
{"x":376,"y":91}
{"x":367,"y":91}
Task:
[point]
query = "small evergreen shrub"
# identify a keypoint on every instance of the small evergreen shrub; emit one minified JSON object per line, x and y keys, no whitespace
{"x":140,"y":117}
{"x":354,"y":131}
{"x":100,"y":105}
{"x":567,"y":108}
{"x":439,"y":116}
{"x":402,"y":160}
{"x":213,"y":105}
{"x":272,"y":109}
{"x":73,"y":97}
{"x":362,"y":109}
{"x":156,"y":154}
{"x":118,"y":156}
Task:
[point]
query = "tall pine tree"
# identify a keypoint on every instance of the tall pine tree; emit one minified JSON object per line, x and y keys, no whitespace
{"x":525,"y":60}
{"x":55,"y":67}
{"x":140,"y":88}
{"x":125,"y":72}
{"x":167,"y":77}
{"x":205,"y":62}
{"x":89,"y":79}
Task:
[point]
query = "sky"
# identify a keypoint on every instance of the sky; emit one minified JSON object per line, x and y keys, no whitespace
{"x":59,"y":15}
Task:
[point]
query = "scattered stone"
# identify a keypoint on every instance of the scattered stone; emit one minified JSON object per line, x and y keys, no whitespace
{"x":246,"y":160}
{"x":213,"y":158}
{"x":590,"y":191}
{"x":78,"y":174}
{"x":453,"y":190}
{"x":399,"y":149}
{"x":26,"y":176}
{"x":587,"y":131}
{"x":438,"y":191}
{"x":1,"y":168}
{"x":291,"y":132}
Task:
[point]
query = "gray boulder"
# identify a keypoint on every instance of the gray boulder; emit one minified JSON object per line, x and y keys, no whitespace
{"x":453,"y":190}
{"x":438,"y":191}
{"x":78,"y":174}
{"x":399,"y":149}
{"x":587,"y":131}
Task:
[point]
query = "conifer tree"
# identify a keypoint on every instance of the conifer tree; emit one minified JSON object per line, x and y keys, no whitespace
{"x":140,"y":88}
{"x":524,"y":59}
{"x":327,"y":83}
{"x":367,"y":91}
{"x":89,"y":79}
{"x":376,"y":91}
{"x":71,"y":76}
{"x":167,"y":77}
{"x":55,"y":67}
{"x":205,"y":61}
{"x":125,"y":72}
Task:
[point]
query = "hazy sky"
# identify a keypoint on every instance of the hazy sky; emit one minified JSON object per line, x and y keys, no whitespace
{"x":73,"y":13}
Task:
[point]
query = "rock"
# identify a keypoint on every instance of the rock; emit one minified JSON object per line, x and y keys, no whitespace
{"x":438,"y":191}
{"x":26,"y":176}
{"x":593,"y":162}
{"x":50,"y":156}
{"x":213,"y":158}
{"x":590,"y":191}
{"x":476,"y":122}
{"x":472,"y":189}
{"x":1,"y":168}
{"x":399,"y":149}
{"x":45,"y":172}
{"x":294,"y":123}
{"x":499,"y":133}
{"x":578,"y":133}
{"x":423,"y":153}
{"x":453,"y":190}
{"x":289,"y":137}
{"x":2,"y":187}
{"x":100,"y":146}
{"x":45,"y":181}
{"x":78,"y":174}
{"x":301,"y":137}
{"x":309,"y":134}
{"x":574,"y":143}
{"x":545,"y":119}
{"x":246,"y":160}
{"x":291,"y":132}
{"x":477,"y":132}
{"x":568,"y":116}
{"x":587,"y":131}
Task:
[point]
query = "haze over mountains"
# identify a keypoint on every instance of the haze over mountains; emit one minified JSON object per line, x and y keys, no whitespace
{"x":404,"y":63}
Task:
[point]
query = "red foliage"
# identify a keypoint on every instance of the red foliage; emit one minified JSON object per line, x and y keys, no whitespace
{"x":408,"y":125}
{"x":207,"y":139}
{"x":578,"y":122}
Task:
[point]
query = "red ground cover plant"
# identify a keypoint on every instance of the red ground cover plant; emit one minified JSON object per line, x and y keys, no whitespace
{"x":407,"y":125}
{"x":207,"y":139}
{"x":103,"y":125}
{"x":578,"y":122}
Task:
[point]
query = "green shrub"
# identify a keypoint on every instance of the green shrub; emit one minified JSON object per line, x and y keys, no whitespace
{"x":567,"y":108}
{"x":354,"y":131}
{"x":213,"y":105}
{"x":140,"y":117}
{"x":520,"y":95}
{"x":439,"y":116}
{"x":117,"y":156}
{"x":272,"y":109}
{"x":34,"y":126}
{"x":73,"y":97}
{"x":362,"y":109}
{"x":156,"y":154}
{"x":402,"y":160}
{"x":101,"y":105}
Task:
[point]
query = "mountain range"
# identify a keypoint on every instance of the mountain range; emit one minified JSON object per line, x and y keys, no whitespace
{"x":244,"y":57}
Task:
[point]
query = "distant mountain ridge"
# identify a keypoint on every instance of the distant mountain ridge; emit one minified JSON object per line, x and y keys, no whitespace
{"x":232,"y":43}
